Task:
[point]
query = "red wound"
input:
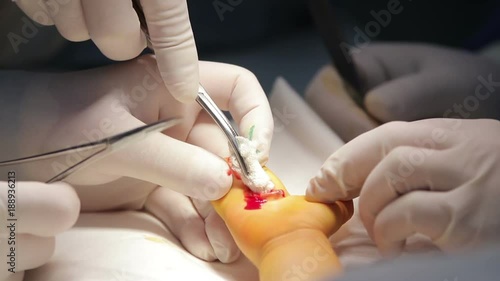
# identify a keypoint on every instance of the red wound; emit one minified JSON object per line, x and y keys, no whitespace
{"x":256,"y":200}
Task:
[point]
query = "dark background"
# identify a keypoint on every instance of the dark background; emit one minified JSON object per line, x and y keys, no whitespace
{"x":277,"y":38}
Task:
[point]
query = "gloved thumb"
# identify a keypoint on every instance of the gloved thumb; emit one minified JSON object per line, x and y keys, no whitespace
{"x":33,"y":213}
{"x":412,"y":97}
{"x":408,"y":82}
{"x":394,"y":89}
{"x":174,"y":46}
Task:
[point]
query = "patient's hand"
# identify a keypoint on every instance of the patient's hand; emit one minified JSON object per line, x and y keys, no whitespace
{"x":55,"y":111}
{"x":277,"y":231}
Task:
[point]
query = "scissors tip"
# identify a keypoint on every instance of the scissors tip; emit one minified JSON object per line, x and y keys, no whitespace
{"x":163,"y":125}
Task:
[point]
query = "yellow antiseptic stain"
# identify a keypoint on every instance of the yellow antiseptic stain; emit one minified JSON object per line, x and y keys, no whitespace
{"x":156,"y":239}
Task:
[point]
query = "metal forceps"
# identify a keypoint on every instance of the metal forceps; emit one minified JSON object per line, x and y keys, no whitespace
{"x":102,"y":148}
{"x":204,"y":101}
{"x":218,"y":116}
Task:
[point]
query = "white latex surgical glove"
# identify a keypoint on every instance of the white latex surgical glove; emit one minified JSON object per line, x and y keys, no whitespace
{"x":408,"y":82}
{"x":32,"y":214}
{"x":113,"y":25}
{"x":435,"y":177}
{"x":355,"y":248}
{"x":156,"y":174}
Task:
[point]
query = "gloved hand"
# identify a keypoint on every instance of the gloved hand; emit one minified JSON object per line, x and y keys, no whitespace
{"x":41,"y":211}
{"x":356,"y":249}
{"x":408,"y":82}
{"x":436,"y":177}
{"x":157,"y":173}
{"x":113,"y":25}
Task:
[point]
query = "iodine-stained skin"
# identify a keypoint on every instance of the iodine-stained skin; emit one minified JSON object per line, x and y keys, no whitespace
{"x":277,"y":231}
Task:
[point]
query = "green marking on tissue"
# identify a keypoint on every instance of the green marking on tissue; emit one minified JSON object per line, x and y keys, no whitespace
{"x":250,"y":134}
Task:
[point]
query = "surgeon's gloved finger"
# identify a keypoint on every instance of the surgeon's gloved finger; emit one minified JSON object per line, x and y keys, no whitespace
{"x":218,"y":234}
{"x":416,"y":81}
{"x":236,"y":89}
{"x":180,"y":216}
{"x":207,"y":135}
{"x":41,"y":209}
{"x":415,"y":97}
{"x":183,"y":167}
{"x":36,"y":10}
{"x":69,"y":19}
{"x":30,"y":252}
{"x":173,"y":42}
{"x":168,"y":162}
{"x":422,"y":212}
{"x":343,"y":174}
{"x":379,"y":63}
{"x":18,"y":276}
{"x":114,"y":27}
{"x":220,"y":238}
{"x":393,"y":87}
{"x":406,"y":169}
{"x":336,"y":180}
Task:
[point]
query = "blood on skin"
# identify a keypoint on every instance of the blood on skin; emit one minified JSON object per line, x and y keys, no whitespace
{"x":234,"y":173}
{"x":255,"y":200}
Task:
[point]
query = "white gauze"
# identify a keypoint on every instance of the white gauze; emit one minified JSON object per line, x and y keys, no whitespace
{"x":258,"y":180}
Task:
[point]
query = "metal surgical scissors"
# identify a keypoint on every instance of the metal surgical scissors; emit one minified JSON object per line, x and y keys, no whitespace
{"x":102,"y":148}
